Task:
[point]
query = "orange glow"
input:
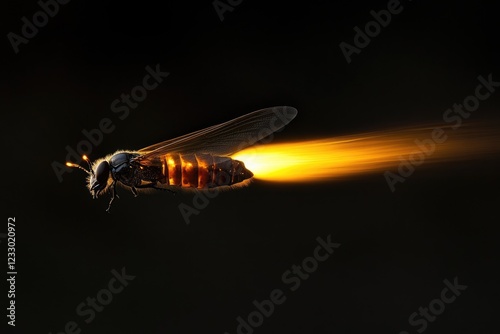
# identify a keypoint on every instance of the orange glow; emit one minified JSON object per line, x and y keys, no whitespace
{"x":373,"y":152}
{"x":69,"y":164}
{"x":85,"y":157}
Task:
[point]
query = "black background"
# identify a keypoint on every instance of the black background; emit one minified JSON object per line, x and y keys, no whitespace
{"x":397,"y":248}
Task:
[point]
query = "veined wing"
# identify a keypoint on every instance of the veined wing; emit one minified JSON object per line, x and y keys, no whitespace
{"x":226,"y":138}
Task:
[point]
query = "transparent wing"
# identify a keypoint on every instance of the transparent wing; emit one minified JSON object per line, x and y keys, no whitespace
{"x":226,"y":138}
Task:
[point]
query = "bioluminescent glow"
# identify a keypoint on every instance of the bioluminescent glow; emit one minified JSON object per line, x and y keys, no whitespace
{"x":373,"y":152}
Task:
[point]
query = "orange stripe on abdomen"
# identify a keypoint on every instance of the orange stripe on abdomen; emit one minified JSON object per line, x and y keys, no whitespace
{"x":174,"y":169}
{"x":204,"y":170}
{"x":189,"y":170}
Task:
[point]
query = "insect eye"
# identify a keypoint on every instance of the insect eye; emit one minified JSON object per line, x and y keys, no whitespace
{"x":102,"y":173}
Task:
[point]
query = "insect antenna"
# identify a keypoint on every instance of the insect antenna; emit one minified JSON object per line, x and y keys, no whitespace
{"x":90,"y":165}
{"x":89,"y":171}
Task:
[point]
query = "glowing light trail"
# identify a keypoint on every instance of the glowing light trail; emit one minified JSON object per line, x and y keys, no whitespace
{"x":340,"y":157}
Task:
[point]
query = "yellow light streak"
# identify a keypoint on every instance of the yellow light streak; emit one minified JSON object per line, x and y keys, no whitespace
{"x":374,"y":152}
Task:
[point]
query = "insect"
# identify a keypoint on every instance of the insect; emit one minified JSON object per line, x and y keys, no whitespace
{"x":200,"y":159}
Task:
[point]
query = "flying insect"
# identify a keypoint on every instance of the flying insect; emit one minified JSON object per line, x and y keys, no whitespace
{"x":200,"y":159}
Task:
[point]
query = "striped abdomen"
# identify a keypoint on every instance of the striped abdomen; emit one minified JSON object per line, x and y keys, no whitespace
{"x":202,"y":170}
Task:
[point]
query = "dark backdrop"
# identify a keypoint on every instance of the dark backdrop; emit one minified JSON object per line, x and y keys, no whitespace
{"x":396,"y":248}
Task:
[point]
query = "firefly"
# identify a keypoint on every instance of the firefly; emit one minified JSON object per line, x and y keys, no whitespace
{"x":198,"y":160}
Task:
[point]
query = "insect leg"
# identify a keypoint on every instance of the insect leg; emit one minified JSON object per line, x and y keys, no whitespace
{"x":113,"y":195}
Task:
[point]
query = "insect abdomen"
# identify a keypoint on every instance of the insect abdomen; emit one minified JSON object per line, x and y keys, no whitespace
{"x":203,"y":170}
